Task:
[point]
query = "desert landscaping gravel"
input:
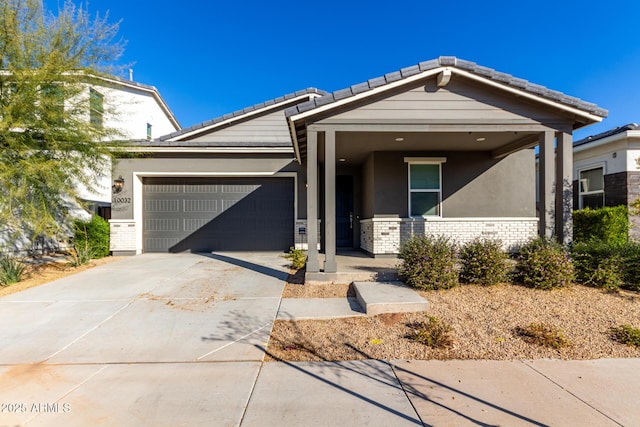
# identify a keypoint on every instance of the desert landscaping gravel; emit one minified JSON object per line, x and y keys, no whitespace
{"x":483,"y":321}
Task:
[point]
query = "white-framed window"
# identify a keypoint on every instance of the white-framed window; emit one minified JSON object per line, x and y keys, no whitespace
{"x":149,"y":131}
{"x":96,"y":108}
{"x":591,"y":187}
{"x":425,"y":186}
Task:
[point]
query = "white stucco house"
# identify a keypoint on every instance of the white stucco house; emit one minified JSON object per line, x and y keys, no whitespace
{"x":137,"y":111}
{"x":605,"y":168}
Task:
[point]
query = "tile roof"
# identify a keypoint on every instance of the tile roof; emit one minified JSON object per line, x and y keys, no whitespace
{"x":610,"y":132}
{"x":447,"y":61}
{"x":239,"y":113}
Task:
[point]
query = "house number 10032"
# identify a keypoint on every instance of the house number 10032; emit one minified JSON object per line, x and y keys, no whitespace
{"x":122,"y":200}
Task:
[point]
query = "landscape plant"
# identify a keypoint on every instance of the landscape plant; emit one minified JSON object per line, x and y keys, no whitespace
{"x":297,"y":257}
{"x":49,"y":147}
{"x":94,"y":234}
{"x":432,"y":332}
{"x":11,"y":270}
{"x":544,"y":264}
{"x":606,"y":224}
{"x":606,"y":265}
{"x":626,"y":334}
{"x":543,"y":335}
{"x":483,"y":262}
{"x":429,"y":263}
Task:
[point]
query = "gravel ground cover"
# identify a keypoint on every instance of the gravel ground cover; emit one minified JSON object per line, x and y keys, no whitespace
{"x":483,"y":321}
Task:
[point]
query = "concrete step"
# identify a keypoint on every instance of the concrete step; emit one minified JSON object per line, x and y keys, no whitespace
{"x":388,"y":297}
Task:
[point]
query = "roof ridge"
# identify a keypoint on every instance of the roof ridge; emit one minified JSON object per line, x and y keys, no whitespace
{"x":607,"y":133}
{"x":446,"y":61}
{"x":239,"y":113}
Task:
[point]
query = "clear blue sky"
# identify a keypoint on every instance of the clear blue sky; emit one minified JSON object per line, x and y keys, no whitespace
{"x":208,"y":58}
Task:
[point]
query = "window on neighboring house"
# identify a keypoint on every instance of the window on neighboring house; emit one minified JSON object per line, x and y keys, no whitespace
{"x":96,"y":108}
{"x":52,"y":103}
{"x":592,"y":188}
{"x":149,"y":130}
{"x":425,"y":186}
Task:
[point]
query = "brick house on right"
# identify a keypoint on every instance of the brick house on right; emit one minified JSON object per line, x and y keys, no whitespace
{"x":605,"y":168}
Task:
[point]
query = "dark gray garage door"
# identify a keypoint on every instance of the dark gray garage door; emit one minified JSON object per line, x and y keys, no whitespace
{"x":218,"y":214}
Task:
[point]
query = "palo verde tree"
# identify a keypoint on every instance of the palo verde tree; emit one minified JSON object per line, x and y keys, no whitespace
{"x":48,"y":144}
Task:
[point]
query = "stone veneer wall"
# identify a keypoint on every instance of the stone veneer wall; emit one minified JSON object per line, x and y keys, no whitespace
{"x":384,"y":236}
{"x":122,"y":235}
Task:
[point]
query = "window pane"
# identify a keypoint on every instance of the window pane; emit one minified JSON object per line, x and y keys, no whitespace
{"x":591,"y":180}
{"x":423,"y":204}
{"x":593,"y":201}
{"x":425,"y":177}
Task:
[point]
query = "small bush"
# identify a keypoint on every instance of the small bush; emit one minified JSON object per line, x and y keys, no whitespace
{"x":607,"y":224}
{"x":483,"y":262}
{"x":11,"y":270}
{"x":543,"y":264}
{"x":95,"y":233}
{"x":598,"y":264}
{"x":543,"y":335}
{"x":80,"y":254}
{"x":607,"y":266}
{"x":432,"y":332}
{"x":626,"y":334}
{"x":429,"y":263}
{"x":297,"y":257}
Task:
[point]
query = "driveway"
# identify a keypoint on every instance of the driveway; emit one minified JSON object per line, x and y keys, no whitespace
{"x":137,"y":336}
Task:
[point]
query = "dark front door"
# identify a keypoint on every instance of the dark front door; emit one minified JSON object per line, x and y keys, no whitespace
{"x":344,"y":211}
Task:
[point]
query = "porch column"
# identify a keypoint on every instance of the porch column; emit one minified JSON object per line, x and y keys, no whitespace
{"x":330,"y":265}
{"x":564,"y":187}
{"x":313,"y":265}
{"x":545,"y":184}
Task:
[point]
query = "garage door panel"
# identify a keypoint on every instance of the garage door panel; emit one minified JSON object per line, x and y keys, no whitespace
{"x":209,"y":214}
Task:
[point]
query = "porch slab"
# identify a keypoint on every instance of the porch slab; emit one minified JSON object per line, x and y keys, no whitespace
{"x":319,"y":308}
{"x":388,"y":297}
{"x":354,"y":265}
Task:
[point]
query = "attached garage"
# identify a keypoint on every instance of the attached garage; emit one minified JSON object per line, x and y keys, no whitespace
{"x":218,"y":214}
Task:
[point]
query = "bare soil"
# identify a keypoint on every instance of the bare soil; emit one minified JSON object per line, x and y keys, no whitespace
{"x":37,"y":274}
{"x":483,"y":320}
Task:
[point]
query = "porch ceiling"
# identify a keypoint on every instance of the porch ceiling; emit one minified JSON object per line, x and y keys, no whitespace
{"x":354,"y":147}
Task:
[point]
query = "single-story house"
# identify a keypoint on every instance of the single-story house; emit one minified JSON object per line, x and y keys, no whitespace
{"x":442,"y":147}
{"x":606,"y":171}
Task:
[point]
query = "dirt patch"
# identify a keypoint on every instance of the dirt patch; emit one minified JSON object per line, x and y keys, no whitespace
{"x":41,"y":273}
{"x":483,"y":320}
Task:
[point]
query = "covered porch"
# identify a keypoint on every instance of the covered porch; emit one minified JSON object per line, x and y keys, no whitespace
{"x":434,"y":149}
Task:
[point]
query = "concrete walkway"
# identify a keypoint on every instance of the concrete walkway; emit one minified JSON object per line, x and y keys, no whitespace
{"x":168,"y":340}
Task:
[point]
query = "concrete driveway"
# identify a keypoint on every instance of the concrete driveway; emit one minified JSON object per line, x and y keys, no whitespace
{"x":178,"y":340}
{"x":130,"y":342}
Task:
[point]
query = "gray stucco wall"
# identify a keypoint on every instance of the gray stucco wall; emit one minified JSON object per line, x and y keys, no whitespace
{"x":474,"y":184}
{"x":198,"y":165}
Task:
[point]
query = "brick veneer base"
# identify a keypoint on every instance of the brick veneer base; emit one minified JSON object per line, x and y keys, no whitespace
{"x":123,"y":235}
{"x":382,"y":236}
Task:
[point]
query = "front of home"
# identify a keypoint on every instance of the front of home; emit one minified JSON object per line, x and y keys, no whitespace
{"x":443,"y":147}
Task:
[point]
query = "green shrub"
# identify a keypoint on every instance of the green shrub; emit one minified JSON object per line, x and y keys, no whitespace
{"x":607,"y":266}
{"x":483,"y":262}
{"x":11,"y":270}
{"x":432,"y":332}
{"x":95,"y":233}
{"x":631,"y":266}
{"x":543,"y":264}
{"x":544,"y":335}
{"x":607,"y":224}
{"x":626,"y":334}
{"x":429,"y":263}
{"x":598,"y":264}
{"x":297,"y":257}
{"x":80,"y":254}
